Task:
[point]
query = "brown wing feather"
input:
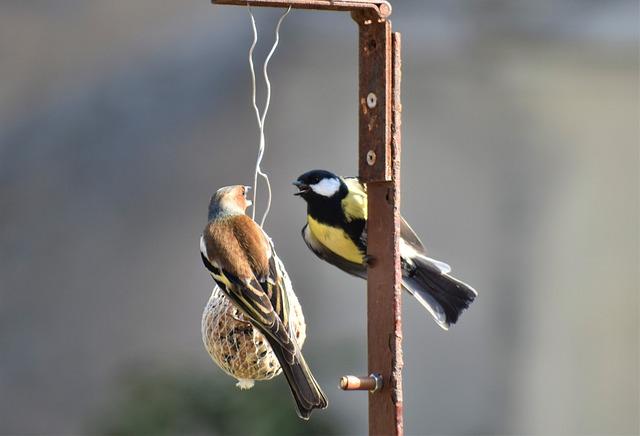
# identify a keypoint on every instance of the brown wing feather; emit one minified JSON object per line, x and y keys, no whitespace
{"x":254,"y":244}
{"x":224,"y":250}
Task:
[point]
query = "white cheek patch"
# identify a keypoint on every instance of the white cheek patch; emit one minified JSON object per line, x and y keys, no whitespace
{"x":326,"y":187}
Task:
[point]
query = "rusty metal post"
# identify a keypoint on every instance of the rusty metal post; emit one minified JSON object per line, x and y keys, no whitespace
{"x":379,"y":166}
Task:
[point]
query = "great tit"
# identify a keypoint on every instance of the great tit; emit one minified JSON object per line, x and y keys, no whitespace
{"x":242,"y":261}
{"x":336,"y":231}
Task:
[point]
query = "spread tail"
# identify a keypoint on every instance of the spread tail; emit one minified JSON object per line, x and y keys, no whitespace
{"x":442,"y":295}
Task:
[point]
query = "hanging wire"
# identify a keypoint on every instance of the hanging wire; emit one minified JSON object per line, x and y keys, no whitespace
{"x":261,"y":117}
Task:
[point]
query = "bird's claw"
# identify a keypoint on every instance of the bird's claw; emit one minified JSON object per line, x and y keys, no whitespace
{"x":369,"y":260}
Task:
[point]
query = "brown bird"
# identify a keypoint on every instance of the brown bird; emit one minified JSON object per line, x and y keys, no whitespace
{"x":243,"y":262}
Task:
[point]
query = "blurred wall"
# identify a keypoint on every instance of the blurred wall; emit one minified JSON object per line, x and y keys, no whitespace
{"x":119,"y":119}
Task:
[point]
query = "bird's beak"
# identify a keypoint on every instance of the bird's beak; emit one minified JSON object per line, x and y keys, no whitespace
{"x":248,"y":202}
{"x":302,"y":188}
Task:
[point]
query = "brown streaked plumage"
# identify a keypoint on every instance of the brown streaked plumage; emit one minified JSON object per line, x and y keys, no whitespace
{"x":238,"y":246}
{"x":243,"y":262}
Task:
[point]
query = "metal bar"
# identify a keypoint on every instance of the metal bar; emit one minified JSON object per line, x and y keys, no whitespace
{"x":379,"y":166}
{"x":396,"y":148}
{"x":381,"y":8}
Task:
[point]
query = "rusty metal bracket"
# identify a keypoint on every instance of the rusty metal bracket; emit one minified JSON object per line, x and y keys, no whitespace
{"x":374,"y":97}
{"x":381,"y":8}
{"x":384,"y":284}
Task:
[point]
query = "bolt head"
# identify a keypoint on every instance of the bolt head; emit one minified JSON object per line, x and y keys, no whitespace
{"x":385,"y":10}
{"x":372,"y":100}
{"x":371,"y":157}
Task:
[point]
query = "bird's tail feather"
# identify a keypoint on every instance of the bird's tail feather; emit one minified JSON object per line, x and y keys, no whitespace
{"x":443,"y":295}
{"x":305,"y":389}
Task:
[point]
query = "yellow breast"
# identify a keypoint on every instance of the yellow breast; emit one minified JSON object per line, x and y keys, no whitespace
{"x":336,"y":240}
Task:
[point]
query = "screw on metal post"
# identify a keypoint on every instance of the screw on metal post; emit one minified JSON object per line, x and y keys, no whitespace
{"x":371,"y":157}
{"x":372,"y":383}
{"x":372,"y":100}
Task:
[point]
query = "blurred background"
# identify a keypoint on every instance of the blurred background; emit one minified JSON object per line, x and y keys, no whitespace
{"x":520,"y":168}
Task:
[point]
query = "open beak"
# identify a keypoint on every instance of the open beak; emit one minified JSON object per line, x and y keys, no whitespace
{"x":302,"y":188}
{"x":247,"y":188}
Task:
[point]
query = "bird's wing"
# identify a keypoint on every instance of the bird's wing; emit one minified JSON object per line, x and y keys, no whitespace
{"x":410,"y":237}
{"x":356,"y":269}
{"x":231,"y":257}
{"x":278,"y":287}
{"x":411,"y":247}
{"x":410,"y":244}
{"x":358,"y":190}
